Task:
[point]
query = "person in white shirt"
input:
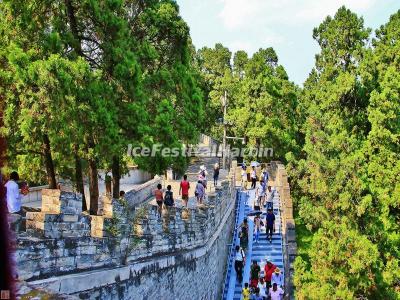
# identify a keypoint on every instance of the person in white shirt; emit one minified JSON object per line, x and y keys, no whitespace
{"x":263,"y":288}
{"x":244,"y":179}
{"x":13,"y":195}
{"x":270,"y":198}
{"x":277,"y":278}
{"x":239,"y":262}
{"x":276,"y":293}
{"x":260,"y":194}
{"x":265,"y":175}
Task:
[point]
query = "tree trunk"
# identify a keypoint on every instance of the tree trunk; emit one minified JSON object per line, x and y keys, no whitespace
{"x":93,"y":187}
{"x":79,"y":179}
{"x":116,"y":176}
{"x":77,"y":47}
{"x":48,"y":160}
{"x":74,"y":27}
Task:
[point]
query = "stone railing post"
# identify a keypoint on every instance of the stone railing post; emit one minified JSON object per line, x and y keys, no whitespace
{"x":61,"y":216}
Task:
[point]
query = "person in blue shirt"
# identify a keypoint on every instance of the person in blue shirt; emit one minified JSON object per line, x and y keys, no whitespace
{"x":265,"y":175}
{"x":270,"y":220}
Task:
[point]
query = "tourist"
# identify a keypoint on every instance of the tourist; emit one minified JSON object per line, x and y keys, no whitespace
{"x":244,"y":234}
{"x":254,"y":274}
{"x":260,"y":193}
{"x":216,"y":174}
{"x":275,"y":292}
{"x":257,"y":295}
{"x":269,"y":269}
{"x":169,"y":197}
{"x":244,"y":166}
{"x":158,"y":193}
{"x":253,"y":177}
{"x":270,"y":224}
{"x":244,"y":179}
{"x":199,"y":192}
{"x":240,"y":259}
{"x":264,"y":186}
{"x":277,"y":277}
{"x":257,"y":228}
{"x":14,"y":197}
{"x":203,"y":175}
{"x":263,"y":288}
{"x":184,"y":189}
{"x":7,"y":271}
{"x":270,"y":198}
{"x":121,"y":194}
{"x":248,"y":171}
{"x":265,"y":175}
{"x":246,"y":292}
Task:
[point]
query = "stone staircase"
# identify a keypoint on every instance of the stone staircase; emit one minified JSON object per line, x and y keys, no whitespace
{"x":260,"y":251}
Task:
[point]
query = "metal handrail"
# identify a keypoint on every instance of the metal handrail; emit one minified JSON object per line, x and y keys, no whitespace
{"x":232,"y":245}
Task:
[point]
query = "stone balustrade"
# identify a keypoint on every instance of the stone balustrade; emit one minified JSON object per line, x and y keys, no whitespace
{"x":142,"y":193}
{"x":61,"y":216}
{"x":61,"y":240}
{"x":288,"y":224}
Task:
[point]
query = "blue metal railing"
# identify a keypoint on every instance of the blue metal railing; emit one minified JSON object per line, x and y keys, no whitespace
{"x":229,"y":262}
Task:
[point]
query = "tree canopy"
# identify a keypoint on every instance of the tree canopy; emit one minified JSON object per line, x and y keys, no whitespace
{"x":80,"y":80}
{"x":347,"y":173}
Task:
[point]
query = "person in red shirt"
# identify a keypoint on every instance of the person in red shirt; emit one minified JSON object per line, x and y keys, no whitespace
{"x":268,"y":271}
{"x":158,"y":193}
{"x":184,"y":189}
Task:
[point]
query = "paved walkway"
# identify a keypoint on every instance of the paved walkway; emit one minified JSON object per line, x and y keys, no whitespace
{"x":260,"y":251}
{"x":193,"y":172}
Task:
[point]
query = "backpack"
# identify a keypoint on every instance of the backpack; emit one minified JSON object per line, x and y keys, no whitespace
{"x":168,"y":200}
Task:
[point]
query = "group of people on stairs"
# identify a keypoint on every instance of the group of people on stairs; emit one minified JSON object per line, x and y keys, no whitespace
{"x":270,"y":285}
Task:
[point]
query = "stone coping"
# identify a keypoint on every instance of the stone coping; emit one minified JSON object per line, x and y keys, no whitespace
{"x":78,"y":282}
{"x":145,"y":184}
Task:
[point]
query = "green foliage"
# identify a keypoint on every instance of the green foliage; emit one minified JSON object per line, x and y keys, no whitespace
{"x":346,"y":177}
{"x":262,"y":103}
{"x":92,"y":76}
{"x":342,"y":264}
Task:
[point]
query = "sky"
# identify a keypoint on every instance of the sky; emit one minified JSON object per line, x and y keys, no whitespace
{"x":285,"y":25}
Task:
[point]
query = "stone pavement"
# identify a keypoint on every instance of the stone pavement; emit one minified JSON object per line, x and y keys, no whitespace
{"x":192,"y":172}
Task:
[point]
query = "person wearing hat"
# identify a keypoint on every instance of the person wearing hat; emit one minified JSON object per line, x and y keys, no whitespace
{"x":269,"y":269}
{"x":203,"y":175}
{"x":277,"y":277}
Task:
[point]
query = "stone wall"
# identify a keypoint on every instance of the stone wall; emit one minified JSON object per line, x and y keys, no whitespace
{"x":143,"y":192}
{"x":288,"y":225}
{"x":132,"y":254}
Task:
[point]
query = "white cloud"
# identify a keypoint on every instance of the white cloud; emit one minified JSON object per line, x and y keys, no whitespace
{"x":238,"y":13}
{"x":316,"y":11}
{"x":272,"y":38}
{"x":241,"y":14}
{"x":241,"y":45}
